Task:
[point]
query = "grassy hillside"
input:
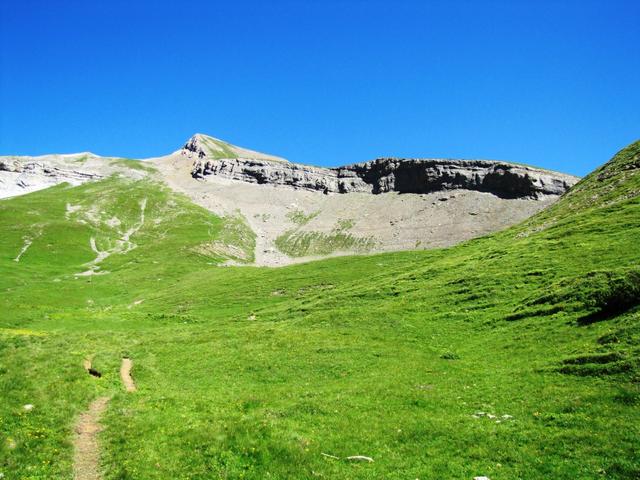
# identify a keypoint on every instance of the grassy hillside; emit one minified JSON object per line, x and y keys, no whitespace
{"x":512,"y":356}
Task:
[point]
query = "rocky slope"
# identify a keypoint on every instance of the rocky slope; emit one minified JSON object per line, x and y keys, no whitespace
{"x":21,"y":175}
{"x":300,"y":212}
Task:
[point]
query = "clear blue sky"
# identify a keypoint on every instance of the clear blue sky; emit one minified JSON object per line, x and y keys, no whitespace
{"x":549,"y":83}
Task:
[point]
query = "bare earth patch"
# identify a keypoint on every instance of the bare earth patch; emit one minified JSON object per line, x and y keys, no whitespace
{"x":125,"y":375}
{"x":86,"y":458}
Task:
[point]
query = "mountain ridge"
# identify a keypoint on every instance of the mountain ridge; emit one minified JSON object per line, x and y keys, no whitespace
{"x":299,"y":212}
{"x":415,"y":175}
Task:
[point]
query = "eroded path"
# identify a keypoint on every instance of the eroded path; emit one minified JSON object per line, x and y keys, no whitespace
{"x":122,"y":245}
{"x":86,"y":458}
{"x":25,"y":247}
{"x":125,"y":375}
{"x":28,"y":240}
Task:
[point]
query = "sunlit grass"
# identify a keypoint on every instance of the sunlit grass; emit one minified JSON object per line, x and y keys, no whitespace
{"x":452,"y":363}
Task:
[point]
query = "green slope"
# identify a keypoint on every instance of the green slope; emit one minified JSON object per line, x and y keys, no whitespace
{"x":256,"y":373}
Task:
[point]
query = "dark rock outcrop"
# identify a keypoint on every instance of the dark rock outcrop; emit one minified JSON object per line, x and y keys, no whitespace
{"x":394,"y":175}
{"x":193,"y":146}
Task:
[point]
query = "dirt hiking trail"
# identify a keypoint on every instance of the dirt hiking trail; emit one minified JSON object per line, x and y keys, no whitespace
{"x":125,"y":375}
{"x":86,"y":458}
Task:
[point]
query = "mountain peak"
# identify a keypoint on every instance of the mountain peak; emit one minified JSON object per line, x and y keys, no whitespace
{"x":207,"y":147}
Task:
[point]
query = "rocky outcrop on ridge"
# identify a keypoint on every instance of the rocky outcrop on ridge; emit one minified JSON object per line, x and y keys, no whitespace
{"x":24,"y":174}
{"x":393,"y":175}
{"x":45,"y":170}
{"x":201,"y":146}
{"x":20,"y":175}
{"x":193,"y":146}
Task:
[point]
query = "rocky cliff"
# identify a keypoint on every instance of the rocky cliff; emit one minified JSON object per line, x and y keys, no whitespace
{"x":44,"y":169}
{"x":20,"y":175}
{"x":392,"y":175}
{"x":283,"y":202}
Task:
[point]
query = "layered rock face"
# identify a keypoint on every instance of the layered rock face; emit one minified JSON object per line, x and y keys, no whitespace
{"x":24,"y":175}
{"x":44,"y":169}
{"x":393,"y":175}
{"x":194,"y":146}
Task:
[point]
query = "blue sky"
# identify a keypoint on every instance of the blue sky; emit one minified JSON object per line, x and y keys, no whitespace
{"x":549,"y":83}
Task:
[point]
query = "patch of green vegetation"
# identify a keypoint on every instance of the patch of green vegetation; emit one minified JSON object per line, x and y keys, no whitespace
{"x":300,"y":218}
{"x":344,"y":224}
{"x":450,"y":356}
{"x":236,"y":241}
{"x":81,"y":159}
{"x":596,"y":295}
{"x":605,"y":188}
{"x":217,"y":149}
{"x":133,"y":164}
{"x":300,"y":243}
{"x":296,"y":243}
{"x":400,"y":357}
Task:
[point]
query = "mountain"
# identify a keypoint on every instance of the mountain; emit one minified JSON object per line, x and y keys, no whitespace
{"x":299,"y":212}
{"x":205,"y":147}
{"x":508,"y":356}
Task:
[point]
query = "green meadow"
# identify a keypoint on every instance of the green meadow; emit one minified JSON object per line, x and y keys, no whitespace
{"x":512,"y":356}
